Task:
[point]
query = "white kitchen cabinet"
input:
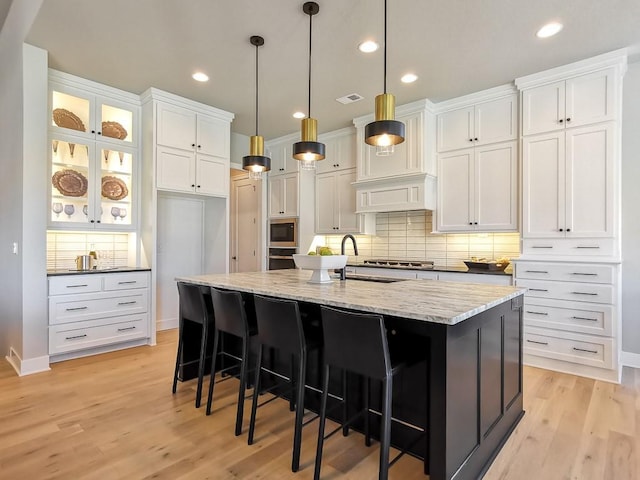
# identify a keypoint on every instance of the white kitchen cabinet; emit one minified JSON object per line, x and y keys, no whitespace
{"x":93,"y":155}
{"x":192,"y":151}
{"x":407,"y":274}
{"x":569,"y":183}
{"x":336,"y":205}
{"x":92,"y":313}
{"x":480,"y":124}
{"x":280,"y":150}
{"x":477,"y":189}
{"x":340,"y":151}
{"x":283,"y":195}
{"x":580,"y":100}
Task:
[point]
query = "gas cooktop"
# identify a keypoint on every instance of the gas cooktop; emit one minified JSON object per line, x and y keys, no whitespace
{"x":417,"y":264}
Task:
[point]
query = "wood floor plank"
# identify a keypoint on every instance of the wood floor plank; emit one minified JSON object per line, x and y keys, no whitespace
{"x":113,"y":416}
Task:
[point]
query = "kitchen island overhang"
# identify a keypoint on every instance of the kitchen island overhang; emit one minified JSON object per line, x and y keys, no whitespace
{"x":468,"y":394}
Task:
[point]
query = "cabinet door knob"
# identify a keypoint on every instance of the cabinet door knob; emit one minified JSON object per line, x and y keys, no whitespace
{"x":337,"y":164}
{"x":93,"y":131}
{"x":193,"y":185}
{"x":97,"y":221}
{"x":198,"y":186}
{"x":561,"y":120}
{"x":92,"y":221}
{"x":568,"y":119}
{"x":475,"y":139}
{"x":199,"y":146}
{"x":99,"y":133}
{"x":234,"y":258}
{"x":561,"y":230}
{"x":193,"y":144}
{"x":470,"y":223}
{"x":475,"y":223}
{"x":471,"y":139}
{"x":568,"y":229}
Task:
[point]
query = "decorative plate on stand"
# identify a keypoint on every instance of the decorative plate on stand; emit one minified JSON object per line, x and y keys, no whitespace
{"x":70,"y":183}
{"x":113,"y":188}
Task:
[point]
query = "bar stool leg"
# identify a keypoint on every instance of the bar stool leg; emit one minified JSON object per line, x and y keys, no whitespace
{"x":254,"y":401}
{"x":179,"y":354}
{"x":292,"y":373}
{"x":385,"y":434}
{"x":297,"y":434}
{"x":323,"y":417}
{"x":345,"y":412}
{"x":201,"y":362}
{"x":216,"y":335}
{"x":367,"y":430}
{"x":243,"y":385}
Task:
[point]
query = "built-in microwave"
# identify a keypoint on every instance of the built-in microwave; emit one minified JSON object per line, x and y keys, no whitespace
{"x":283,"y":232}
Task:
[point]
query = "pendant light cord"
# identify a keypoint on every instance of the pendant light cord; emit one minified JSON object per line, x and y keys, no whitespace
{"x":385,"y":46}
{"x":309,"y":102}
{"x":257,"y":46}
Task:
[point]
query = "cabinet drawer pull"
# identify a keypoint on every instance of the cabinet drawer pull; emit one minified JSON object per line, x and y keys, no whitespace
{"x":537,"y":313}
{"x":127,"y":282}
{"x":585,"y":274}
{"x":128,"y":303}
{"x":585,"y":293}
{"x":77,"y":336}
{"x":588,"y":246}
{"x":538,"y":290}
{"x":542,"y":246}
{"x":585,"y":318}
{"x":538,"y":343}
{"x":536,"y":271}
{"x":584,"y":350}
{"x":76,"y":308}
{"x":126,"y":328}
{"x":77,"y":286}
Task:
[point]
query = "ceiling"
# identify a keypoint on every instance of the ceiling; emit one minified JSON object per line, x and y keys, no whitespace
{"x":455,"y":47}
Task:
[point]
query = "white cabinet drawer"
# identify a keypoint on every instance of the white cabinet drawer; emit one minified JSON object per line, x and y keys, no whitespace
{"x":573,"y":272}
{"x":475,"y":278}
{"x":94,"y":333}
{"x":70,"y":284}
{"x":89,"y":306}
{"x":586,"y":247}
{"x":125,"y":281}
{"x":570,"y":347}
{"x":386,"y":272}
{"x":572,"y":291}
{"x":587,"y":318}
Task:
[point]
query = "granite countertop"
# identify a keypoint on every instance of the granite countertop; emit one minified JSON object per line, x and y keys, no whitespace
{"x":508,"y":273}
{"x":427,"y":300}
{"x":63,"y":271}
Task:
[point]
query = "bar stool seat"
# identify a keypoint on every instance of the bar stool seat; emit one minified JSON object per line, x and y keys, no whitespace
{"x":357,"y":343}
{"x":280,"y":327}
{"x":231,"y":318}
{"x":195,"y":306}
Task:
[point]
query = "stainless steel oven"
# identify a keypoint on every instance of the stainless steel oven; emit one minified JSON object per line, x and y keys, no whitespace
{"x":283,"y":232}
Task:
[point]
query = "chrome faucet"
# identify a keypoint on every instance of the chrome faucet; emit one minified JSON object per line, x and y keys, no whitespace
{"x":343,"y":271}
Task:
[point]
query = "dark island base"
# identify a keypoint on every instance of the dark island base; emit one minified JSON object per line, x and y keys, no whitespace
{"x":464,"y":389}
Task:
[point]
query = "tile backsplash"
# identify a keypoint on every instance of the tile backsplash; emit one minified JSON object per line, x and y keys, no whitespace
{"x":407,"y":236}
{"x":63,"y":248}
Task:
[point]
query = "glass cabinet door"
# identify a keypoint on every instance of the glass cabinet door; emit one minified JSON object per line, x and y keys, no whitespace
{"x":115,"y":122}
{"x":72,"y":113}
{"x":116,"y":180}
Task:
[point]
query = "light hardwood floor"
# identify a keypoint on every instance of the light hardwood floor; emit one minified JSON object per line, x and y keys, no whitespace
{"x":113,"y":416}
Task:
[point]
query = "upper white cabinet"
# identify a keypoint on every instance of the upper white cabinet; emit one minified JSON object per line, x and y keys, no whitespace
{"x":477,"y":189}
{"x":283,"y":195}
{"x":569,"y":182}
{"x":340,"y":151}
{"x":480,"y":124}
{"x":191,"y":145}
{"x":280,"y":150}
{"x":94,"y":163}
{"x":576,"y":101}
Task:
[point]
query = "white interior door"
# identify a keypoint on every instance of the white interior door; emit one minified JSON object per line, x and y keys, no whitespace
{"x":179,"y":251}
{"x":246,"y":233}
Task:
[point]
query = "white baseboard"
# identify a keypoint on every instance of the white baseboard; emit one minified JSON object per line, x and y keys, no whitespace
{"x":28,"y":366}
{"x":167,"y":324}
{"x":629,"y":359}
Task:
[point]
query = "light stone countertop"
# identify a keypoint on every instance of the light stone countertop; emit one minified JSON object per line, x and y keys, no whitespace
{"x":427,"y":300}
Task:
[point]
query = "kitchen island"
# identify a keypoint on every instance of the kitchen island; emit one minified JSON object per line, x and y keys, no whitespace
{"x":466,"y":394}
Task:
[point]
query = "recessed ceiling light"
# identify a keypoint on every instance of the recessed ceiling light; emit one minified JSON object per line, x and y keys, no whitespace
{"x":200,"y":77}
{"x":299,"y":115}
{"x":409,"y":78}
{"x":549,"y":30}
{"x":368,"y":46}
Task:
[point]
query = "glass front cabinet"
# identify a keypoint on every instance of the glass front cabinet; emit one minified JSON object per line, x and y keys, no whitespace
{"x":93,"y":152}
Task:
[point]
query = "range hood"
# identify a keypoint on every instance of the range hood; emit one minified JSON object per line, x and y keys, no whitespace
{"x":406,"y":179}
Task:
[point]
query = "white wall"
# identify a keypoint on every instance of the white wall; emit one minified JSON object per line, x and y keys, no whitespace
{"x":630,"y":216}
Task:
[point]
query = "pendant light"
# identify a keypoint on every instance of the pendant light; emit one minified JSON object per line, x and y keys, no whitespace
{"x":385,"y":131}
{"x":309,"y":150}
{"x":256,"y":162}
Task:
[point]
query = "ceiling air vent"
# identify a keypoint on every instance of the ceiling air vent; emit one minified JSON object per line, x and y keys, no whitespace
{"x":352,"y":97}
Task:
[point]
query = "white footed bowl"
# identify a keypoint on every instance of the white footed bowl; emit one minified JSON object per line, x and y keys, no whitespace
{"x":320,"y":264}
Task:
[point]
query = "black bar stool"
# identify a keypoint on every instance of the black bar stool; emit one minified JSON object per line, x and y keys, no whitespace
{"x":280,"y":327}
{"x":358,"y":343}
{"x":195,"y":306}
{"x":231,"y":317}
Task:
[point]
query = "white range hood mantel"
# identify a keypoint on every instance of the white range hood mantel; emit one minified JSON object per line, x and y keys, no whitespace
{"x":406,"y":179}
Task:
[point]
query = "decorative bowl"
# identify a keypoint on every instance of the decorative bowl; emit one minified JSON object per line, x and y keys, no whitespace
{"x":491,"y":266}
{"x":320,"y":264}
